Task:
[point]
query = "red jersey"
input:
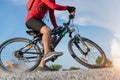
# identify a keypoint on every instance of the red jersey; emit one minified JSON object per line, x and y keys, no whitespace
{"x":46,"y":5}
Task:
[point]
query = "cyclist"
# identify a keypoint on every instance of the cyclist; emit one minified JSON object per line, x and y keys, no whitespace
{"x":34,"y":20}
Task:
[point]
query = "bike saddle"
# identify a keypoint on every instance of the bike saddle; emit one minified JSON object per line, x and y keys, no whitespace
{"x":33,"y":32}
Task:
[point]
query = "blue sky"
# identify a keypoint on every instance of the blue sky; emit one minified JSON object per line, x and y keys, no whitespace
{"x":97,"y":20}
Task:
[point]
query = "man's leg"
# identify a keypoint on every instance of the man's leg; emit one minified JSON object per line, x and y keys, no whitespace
{"x":45,"y":39}
{"x":40,"y":26}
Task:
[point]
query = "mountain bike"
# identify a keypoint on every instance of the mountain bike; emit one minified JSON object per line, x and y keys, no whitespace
{"x":24,"y":55}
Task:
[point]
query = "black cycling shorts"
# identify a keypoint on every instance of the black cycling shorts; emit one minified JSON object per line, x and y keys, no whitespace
{"x":35,"y":24}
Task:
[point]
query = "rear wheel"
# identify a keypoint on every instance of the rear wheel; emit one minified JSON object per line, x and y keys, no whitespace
{"x":95,"y":58}
{"x":17,"y":56}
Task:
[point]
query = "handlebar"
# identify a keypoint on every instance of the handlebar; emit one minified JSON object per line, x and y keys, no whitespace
{"x":71,"y":16}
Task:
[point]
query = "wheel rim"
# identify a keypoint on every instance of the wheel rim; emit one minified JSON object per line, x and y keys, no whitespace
{"x":92,"y":58}
{"x":12,"y":63}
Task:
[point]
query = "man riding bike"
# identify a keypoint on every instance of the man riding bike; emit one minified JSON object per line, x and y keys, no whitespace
{"x":34,"y":21}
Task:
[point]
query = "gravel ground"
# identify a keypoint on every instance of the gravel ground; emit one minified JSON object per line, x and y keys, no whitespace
{"x":91,"y":74}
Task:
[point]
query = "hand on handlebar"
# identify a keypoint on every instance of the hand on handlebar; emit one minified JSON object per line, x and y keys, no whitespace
{"x":72,"y":13}
{"x":71,"y":10}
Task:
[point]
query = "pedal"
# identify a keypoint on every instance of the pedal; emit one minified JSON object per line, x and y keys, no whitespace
{"x":54,"y":58}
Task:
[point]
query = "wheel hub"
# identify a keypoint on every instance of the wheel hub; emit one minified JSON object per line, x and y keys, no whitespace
{"x":18,"y":54}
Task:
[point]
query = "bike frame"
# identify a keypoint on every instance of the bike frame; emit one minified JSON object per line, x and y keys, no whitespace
{"x":61,"y":35}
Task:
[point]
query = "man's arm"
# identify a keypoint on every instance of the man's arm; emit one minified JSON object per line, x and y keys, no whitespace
{"x":54,"y":6}
{"x":52,"y":18}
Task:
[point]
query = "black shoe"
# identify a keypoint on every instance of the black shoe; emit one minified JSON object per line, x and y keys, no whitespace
{"x":50,"y":55}
{"x":46,"y":68}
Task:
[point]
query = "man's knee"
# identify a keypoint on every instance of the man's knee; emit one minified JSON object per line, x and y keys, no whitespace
{"x":45,"y":29}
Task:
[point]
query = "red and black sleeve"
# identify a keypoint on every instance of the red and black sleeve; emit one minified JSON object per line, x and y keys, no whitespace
{"x":53,"y":5}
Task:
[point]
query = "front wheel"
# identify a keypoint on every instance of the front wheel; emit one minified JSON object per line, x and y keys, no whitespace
{"x":19,"y":55}
{"x":95,"y":57}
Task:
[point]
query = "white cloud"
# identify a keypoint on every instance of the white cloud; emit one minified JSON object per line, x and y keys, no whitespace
{"x":115,"y":50}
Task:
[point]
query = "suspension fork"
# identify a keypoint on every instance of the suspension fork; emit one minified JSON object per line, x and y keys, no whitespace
{"x":78,"y":37}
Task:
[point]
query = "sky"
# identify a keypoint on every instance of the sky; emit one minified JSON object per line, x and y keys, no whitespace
{"x":97,"y":20}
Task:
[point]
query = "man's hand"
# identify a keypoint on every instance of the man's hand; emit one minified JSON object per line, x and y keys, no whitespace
{"x":71,"y":9}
